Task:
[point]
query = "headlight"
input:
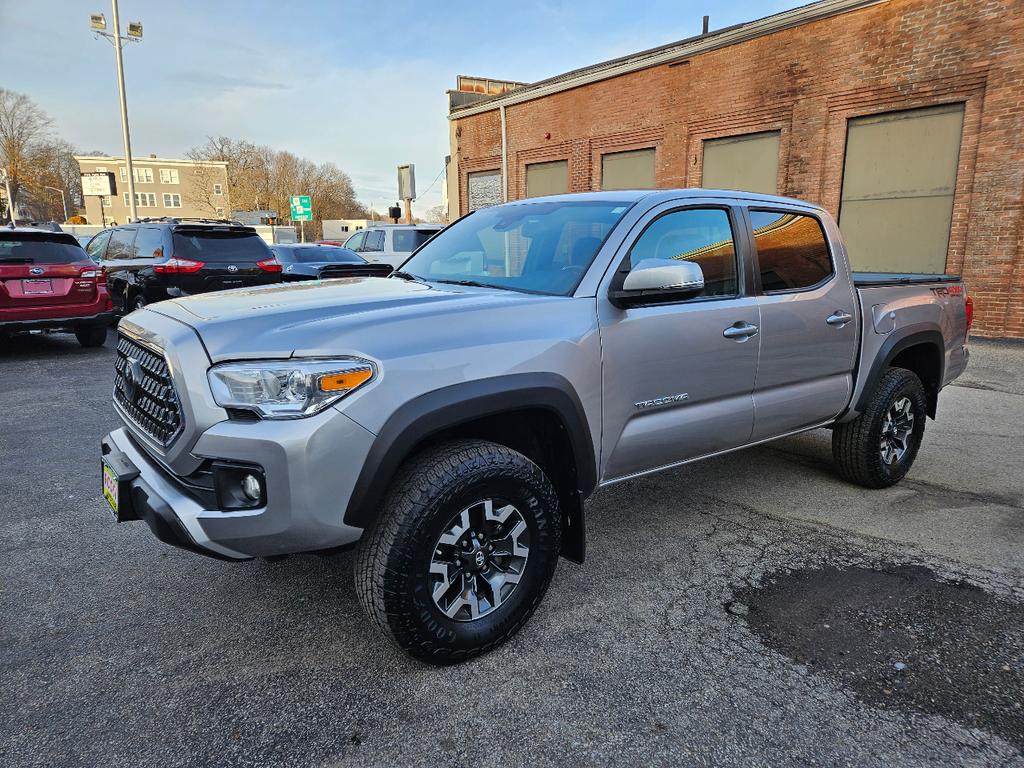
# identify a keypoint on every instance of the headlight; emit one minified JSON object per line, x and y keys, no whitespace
{"x":287,"y":389}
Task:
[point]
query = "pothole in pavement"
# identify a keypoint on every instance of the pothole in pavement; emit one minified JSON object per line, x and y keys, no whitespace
{"x":901,"y":638}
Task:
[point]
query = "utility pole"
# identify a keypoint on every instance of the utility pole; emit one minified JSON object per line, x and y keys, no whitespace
{"x":99,"y":24}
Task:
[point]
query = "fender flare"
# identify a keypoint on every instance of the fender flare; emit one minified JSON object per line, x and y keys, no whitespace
{"x":899,"y":340}
{"x":441,"y":409}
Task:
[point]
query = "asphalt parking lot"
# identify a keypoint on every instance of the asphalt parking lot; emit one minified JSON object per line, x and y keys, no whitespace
{"x":743,"y":611}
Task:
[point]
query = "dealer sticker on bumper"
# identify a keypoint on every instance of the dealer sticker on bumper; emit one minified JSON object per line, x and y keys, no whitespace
{"x":110,"y":486}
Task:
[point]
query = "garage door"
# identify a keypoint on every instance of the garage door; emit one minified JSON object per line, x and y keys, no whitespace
{"x":483,"y":189}
{"x":547,"y":178}
{"x":898,"y":182}
{"x":749,"y":163}
{"x":628,"y":170}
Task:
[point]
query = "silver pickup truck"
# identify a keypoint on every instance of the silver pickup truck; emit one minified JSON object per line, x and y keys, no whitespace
{"x":451,"y":419}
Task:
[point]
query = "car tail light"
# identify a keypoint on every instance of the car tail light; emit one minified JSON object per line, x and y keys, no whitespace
{"x":96,"y":274}
{"x":969,"y":307}
{"x":269,"y":265}
{"x":177,"y":266}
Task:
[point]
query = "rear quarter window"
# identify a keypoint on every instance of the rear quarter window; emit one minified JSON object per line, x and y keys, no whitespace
{"x":792,"y":252}
{"x":411,"y":239}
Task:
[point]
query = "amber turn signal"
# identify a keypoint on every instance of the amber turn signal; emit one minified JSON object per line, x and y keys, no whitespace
{"x":339,"y":382}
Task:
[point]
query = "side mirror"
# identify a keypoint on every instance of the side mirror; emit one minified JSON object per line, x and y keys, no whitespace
{"x":659,"y":279}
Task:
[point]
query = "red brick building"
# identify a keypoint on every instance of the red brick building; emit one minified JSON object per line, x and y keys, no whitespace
{"x":904,"y":118}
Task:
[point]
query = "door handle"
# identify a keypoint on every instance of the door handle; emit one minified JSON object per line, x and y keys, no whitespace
{"x":839,"y":318}
{"x":740,"y":331}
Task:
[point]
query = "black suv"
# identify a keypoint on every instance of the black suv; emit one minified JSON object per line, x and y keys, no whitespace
{"x":155,"y":259}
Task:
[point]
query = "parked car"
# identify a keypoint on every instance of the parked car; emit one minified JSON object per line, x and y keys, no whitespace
{"x":320,"y":262}
{"x":156,"y":259}
{"x":452,"y":418}
{"x":391,"y":243}
{"x":47,"y":282}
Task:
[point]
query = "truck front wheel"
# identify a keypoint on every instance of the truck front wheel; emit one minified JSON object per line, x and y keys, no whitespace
{"x":462,"y":552}
{"x":878,"y":448}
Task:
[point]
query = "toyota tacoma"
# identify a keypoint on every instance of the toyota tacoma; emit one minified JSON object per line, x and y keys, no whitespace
{"x":450,"y":420}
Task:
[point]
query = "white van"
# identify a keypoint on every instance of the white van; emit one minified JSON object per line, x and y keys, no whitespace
{"x":391,"y":243}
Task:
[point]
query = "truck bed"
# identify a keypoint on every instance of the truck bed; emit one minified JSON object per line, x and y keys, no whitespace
{"x":872,"y":279}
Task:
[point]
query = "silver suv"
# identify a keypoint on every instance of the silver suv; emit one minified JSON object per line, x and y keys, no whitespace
{"x":451,"y":419}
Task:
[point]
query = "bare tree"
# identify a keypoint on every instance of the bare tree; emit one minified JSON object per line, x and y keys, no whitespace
{"x":23,"y":128}
{"x":436,"y":215}
{"x":52,"y":166}
{"x":263,"y":178}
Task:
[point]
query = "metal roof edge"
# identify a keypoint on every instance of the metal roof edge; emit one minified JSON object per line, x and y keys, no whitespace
{"x":740,"y":33}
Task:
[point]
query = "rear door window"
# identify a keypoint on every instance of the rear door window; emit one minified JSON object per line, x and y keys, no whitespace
{"x":122,"y":245}
{"x":792,"y":253}
{"x":149,"y":243}
{"x":220,"y":246}
{"x":374,"y":241}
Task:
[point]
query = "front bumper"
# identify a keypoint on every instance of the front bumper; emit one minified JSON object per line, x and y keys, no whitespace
{"x":310,"y":465}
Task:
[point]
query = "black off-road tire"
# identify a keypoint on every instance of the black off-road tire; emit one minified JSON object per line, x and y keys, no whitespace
{"x":92,"y":337}
{"x":393,"y":560}
{"x":855,"y":444}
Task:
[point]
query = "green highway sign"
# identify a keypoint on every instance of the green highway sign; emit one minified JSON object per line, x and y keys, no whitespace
{"x":302,"y":208}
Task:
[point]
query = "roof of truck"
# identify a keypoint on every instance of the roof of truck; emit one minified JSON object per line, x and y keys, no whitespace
{"x":658,"y":195}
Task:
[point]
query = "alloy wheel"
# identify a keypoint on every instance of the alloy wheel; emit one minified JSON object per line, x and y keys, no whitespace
{"x":897,"y":427}
{"x":479,"y":559}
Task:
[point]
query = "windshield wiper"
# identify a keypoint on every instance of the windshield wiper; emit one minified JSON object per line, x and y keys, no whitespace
{"x":407,"y":276}
{"x":16,"y":260}
{"x":472,"y":283}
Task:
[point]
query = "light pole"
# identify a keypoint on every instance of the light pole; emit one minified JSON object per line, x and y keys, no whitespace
{"x":64,"y":202}
{"x":99,"y":24}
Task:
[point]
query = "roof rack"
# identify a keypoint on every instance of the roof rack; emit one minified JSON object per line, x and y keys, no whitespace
{"x":192,"y":219}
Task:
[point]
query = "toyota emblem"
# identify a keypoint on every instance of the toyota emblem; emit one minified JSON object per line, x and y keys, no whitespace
{"x":132,"y":376}
{"x":37,"y":270}
{"x":232,"y":268}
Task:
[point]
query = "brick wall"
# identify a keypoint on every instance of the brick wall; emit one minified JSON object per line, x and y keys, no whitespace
{"x":806,"y":82}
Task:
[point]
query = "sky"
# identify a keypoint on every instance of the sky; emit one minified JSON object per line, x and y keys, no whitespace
{"x":359,"y":84}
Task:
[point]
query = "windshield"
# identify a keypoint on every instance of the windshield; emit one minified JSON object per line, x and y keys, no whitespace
{"x":213,"y":246}
{"x":411,"y":239}
{"x":533,"y":247}
{"x":319,"y":254}
{"x":32,"y":248}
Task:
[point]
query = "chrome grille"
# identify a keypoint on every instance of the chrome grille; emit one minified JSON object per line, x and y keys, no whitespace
{"x":145,"y":392}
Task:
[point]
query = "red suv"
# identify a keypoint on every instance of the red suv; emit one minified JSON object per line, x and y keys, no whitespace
{"x":47,"y":281}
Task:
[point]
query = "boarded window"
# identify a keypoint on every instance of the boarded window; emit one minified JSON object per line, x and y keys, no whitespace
{"x":628,"y":170}
{"x":484,"y":189}
{"x":898,"y":182}
{"x":547,"y":178}
{"x":749,"y":163}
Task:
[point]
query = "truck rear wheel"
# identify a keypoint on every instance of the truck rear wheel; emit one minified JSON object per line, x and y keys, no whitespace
{"x":462,"y":552}
{"x":878,"y":448}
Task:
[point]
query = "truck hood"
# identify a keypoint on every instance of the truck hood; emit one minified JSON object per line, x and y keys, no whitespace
{"x":358,"y":315}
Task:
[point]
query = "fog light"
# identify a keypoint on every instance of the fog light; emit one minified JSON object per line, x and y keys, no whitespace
{"x":239,"y":486}
{"x":251,"y":487}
